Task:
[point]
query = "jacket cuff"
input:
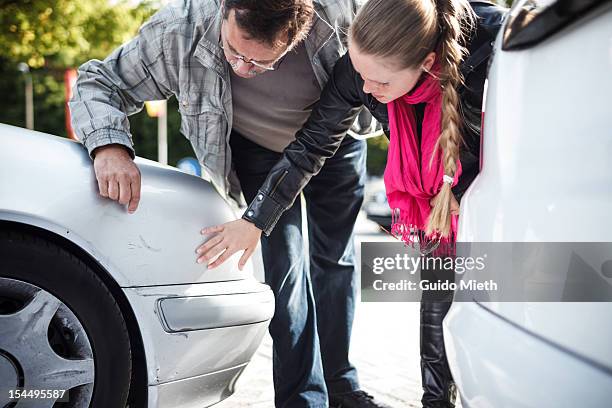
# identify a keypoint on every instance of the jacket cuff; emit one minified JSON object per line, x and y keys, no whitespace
{"x":107,"y":136}
{"x":264,"y":211}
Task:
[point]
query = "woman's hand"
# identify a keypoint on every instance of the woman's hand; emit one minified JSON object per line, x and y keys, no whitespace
{"x":454,"y":205}
{"x":229,"y":238}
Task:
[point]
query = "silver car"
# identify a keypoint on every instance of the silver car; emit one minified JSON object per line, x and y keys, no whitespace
{"x":103,"y":308}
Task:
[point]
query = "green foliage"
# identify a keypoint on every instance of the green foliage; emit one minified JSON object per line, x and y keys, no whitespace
{"x":377,"y":155}
{"x":52,"y":35}
{"x":64,"y":33}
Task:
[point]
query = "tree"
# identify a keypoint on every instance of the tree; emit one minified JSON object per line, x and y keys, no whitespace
{"x":52,"y":35}
{"x":64,"y":33}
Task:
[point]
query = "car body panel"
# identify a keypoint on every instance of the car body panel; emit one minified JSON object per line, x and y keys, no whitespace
{"x":546,"y":177}
{"x":506,"y":367}
{"x":154,"y":246}
{"x":547,"y":142}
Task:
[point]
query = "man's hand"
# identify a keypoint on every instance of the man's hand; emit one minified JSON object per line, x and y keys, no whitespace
{"x":229,"y":238}
{"x":118,"y":177}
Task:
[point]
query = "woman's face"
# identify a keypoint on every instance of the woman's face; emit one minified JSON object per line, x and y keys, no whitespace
{"x":382,"y":78}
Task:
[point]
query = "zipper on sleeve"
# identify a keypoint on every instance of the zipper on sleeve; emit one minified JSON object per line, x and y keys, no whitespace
{"x":280,"y":179}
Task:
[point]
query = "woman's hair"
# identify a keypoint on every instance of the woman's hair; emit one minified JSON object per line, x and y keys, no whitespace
{"x":404,"y":32}
{"x":268,"y":20}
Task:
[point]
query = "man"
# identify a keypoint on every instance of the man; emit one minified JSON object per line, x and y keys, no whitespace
{"x":246,"y":74}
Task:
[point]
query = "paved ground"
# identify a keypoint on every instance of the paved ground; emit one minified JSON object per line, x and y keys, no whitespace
{"x":385,"y":350}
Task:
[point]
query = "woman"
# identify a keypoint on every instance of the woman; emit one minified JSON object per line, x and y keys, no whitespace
{"x":411,"y":62}
{"x":404,"y":65}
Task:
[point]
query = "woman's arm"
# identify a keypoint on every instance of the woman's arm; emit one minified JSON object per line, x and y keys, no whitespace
{"x":319,"y":138}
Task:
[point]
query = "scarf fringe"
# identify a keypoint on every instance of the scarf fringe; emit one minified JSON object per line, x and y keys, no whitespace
{"x":411,"y":234}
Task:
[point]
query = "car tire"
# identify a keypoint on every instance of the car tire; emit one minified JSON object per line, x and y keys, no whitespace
{"x":27,"y":261}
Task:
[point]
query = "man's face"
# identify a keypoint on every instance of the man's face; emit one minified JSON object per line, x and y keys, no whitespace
{"x":247,"y":57}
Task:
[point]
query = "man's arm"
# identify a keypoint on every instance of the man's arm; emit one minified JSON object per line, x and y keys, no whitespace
{"x":105,"y":94}
{"x":318,"y":140}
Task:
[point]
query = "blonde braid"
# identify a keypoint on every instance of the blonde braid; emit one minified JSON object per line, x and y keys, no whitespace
{"x":451,"y":15}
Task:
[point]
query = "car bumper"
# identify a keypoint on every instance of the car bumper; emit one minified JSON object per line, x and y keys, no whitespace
{"x":498,"y":364}
{"x":199,"y":338}
{"x":196,"y":392}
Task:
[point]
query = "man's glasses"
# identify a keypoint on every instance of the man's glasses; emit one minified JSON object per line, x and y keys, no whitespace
{"x":258,"y":67}
{"x":263,"y":67}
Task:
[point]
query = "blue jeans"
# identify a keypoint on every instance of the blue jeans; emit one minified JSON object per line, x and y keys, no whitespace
{"x":315,"y":296}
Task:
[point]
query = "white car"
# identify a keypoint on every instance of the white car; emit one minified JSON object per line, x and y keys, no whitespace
{"x":105,"y":309}
{"x":546,"y":177}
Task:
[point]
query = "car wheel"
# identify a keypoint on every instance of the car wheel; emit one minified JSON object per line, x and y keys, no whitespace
{"x":60,"y":329}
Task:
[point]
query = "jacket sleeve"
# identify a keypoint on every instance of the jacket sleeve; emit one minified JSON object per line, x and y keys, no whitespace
{"x":318,"y":140}
{"x":107,"y":92}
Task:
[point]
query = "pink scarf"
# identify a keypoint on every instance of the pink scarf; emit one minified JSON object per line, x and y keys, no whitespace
{"x":409,"y":181}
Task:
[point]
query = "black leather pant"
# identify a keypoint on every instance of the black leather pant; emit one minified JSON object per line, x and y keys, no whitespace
{"x":438,"y":386}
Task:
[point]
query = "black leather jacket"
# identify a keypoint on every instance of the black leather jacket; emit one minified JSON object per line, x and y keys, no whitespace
{"x":341,"y":100}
